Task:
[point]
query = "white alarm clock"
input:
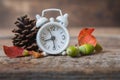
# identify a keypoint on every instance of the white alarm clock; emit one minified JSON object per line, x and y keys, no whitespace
{"x":53,"y":36}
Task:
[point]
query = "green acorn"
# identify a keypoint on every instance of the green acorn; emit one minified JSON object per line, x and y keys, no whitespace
{"x":72,"y":51}
{"x":98,"y":48}
{"x":25,"y":53}
{"x":86,"y":49}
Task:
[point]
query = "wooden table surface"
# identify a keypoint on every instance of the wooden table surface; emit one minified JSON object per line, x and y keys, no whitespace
{"x":103,"y":65}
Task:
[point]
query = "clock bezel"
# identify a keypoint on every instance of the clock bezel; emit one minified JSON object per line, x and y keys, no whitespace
{"x":40,"y":44}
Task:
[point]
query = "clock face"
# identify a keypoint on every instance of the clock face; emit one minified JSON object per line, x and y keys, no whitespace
{"x":53,"y":38}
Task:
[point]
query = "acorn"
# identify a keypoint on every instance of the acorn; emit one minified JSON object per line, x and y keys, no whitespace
{"x":98,"y":48}
{"x":25,"y":53}
{"x":86,"y":49}
{"x":72,"y":51}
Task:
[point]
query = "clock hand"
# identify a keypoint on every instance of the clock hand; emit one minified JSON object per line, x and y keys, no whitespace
{"x":48,"y":39}
{"x":54,"y":44}
{"x":52,"y":38}
{"x":50,"y":32}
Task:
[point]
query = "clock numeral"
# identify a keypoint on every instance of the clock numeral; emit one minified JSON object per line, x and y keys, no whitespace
{"x":42,"y":38}
{"x":63,"y":37}
{"x":44,"y":33}
{"x":61,"y":32}
{"x":48,"y":47}
{"x":58,"y":46}
{"x":52,"y":28}
{"x":44,"y":43}
{"x":54,"y":48}
{"x":62,"y":42}
{"x":57,"y":28}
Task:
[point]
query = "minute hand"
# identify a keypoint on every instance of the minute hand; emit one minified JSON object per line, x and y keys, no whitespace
{"x":50,"y":32}
{"x":54,"y":44}
{"x":53,"y":39}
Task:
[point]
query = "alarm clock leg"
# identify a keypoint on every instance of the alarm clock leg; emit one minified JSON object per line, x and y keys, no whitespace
{"x":63,"y":53}
{"x":45,"y":54}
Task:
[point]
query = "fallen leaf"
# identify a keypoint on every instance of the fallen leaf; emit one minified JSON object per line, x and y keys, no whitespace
{"x":85,"y":37}
{"x":13,"y":51}
{"x":36,"y":54}
{"x":85,"y":31}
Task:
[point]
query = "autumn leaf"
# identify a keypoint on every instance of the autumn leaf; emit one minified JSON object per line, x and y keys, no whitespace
{"x":84,"y":32}
{"x":36,"y":54}
{"x":14,"y":51}
{"x":85,"y":37}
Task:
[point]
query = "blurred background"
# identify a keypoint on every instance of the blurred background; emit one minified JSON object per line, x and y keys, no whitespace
{"x":97,"y":13}
{"x":103,"y":15}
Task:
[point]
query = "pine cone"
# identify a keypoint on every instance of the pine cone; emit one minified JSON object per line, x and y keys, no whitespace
{"x":25,"y":33}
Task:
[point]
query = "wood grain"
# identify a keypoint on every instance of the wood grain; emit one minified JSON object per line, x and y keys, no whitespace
{"x":104,"y":65}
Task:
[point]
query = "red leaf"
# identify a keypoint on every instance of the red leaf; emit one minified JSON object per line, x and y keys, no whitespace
{"x":86,"y":37}
{"x":13,"y":51}
{"x":85,"y":31}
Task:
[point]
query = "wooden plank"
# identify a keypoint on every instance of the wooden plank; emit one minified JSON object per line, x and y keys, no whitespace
{"x":105,"y":64}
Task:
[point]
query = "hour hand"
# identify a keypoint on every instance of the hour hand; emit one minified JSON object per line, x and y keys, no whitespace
{"x":52,"y":38}
{"x":48,"y":39}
